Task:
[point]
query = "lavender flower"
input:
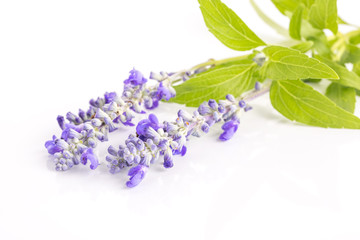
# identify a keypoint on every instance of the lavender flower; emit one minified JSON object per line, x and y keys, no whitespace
{"x":110,"y":97}
{"x":165,"y":92}
{"x":136,"y":78}
{"x":83,"y":130}
{"x":143,"y":125}
{"x":88,"y":154}
{"x":52,"y":146}
{"x":229,"y":128}
{"x":136,"y":174}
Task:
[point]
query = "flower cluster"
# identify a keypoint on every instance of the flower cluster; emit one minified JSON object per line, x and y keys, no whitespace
{"x":154,"y":139}
{"x":82,"y":131}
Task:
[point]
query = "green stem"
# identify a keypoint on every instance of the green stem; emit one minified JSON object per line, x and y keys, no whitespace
{"x":218,"y":62}
{"x":281,"y":30}
{"x":253,"y":94}
{"x":177,"y":77}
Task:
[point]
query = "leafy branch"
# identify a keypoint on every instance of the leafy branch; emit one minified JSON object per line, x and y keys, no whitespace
{"x":315,"y":57}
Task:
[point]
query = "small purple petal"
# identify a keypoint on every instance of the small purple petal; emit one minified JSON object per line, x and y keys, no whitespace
{"x":51,"y":146}
{"x":213,"y":104}
{"x":136,"y":174}
{"x":204,"y":109}
{"x":242,"y":103}
{"x":136,"y":78}
{"x":73,"y":118}
{"x":89,"y":155}
{"x":144,"y":124}
{"x":247,"y":108}
{"x":82,"y":114}
{"x":221,"y":108}
{"x":164,"y":92}
{"x":128,"y":123}
{"x":230,"y":98}
{"x":257,"y":86}
{"x":168,"y":164}
{"x":205,"y":128}
{"x":229,"y":128}
{"x":153,"y":119}
{"x":61,"y":121}
{"x":181,"y":151}
{"x":110,"y":97}
{"x":168,"y":159}
{"x":152,"y":104}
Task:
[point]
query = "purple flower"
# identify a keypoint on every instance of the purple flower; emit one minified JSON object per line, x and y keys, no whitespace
{"x":135,"y":78}
{"x":242,"y":103}
{"x":127,"y":121}
{"x":221,"y":108}
{"x":90,"y":112}
{"x":73,"y":118}
{"x":168,"y":159}
{"x":213,"y":104}
{"x":181,"y":151}
{"x":204,"y":109}
{"x":88,"y":154}
{"x":168,"y":163}
{"x":143,"y":125}
{"x":61,"y":121}
{"x":247,"y":108}
{"x":110,"y":124}
{"x":52,"y":147}
{"x":136,"y":174}
{"x":164,"y":92}
{"x":151,"y":103}
{"x":205,"y":128}
{"x":257,"y":86}
{"x":110,"y":97}
{"x":98,"y":103}
{"x":230,"y":128}
{"x":66,"y":132}
{"x":230,"y":97}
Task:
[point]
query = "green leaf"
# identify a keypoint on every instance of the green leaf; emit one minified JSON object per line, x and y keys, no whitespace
{"x":347,"y":78}
{"x":344,"y":97}
{"x":216,"y":84}
{"x":351,"y":54}
{"x":356,"y":68}
{"x":355,"y":37}
{"x":281,"y":30}
{"x":321,"y":44}
{"x":289,"y":64}
{"x":323,"y":14}
{"x":286,"y":6}
{"x":308,"y":3}
{"x":299,"y":102}
{"x":342,"y":21}
{"x":303,"y":46}
{"x":295,"y":23}
{"x":228,"y":27}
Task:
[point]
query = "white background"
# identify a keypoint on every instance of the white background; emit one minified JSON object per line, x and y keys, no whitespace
{"x":273,"y":180}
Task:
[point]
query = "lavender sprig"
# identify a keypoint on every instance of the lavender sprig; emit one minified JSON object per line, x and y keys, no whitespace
{"x":154,"y":140}
{"x":82,"y":131}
